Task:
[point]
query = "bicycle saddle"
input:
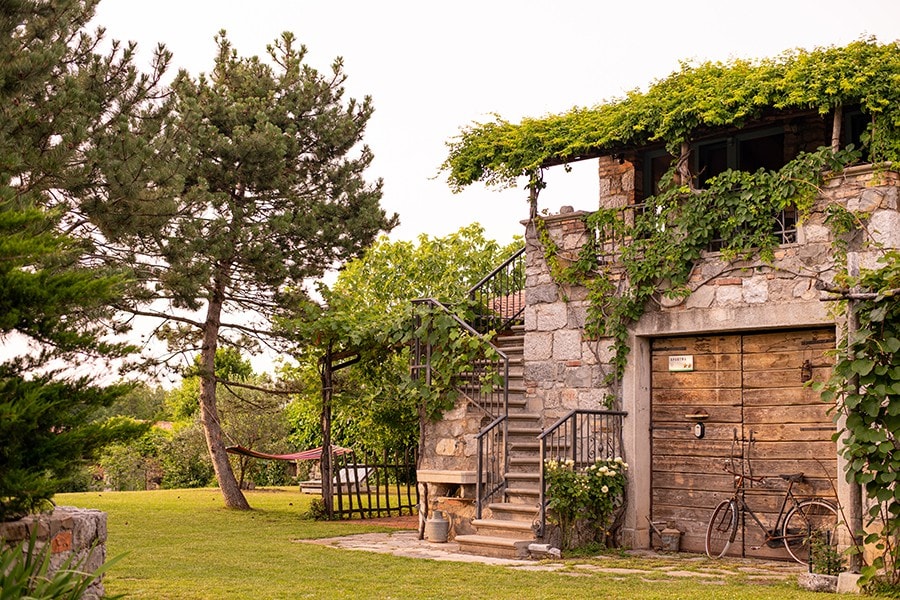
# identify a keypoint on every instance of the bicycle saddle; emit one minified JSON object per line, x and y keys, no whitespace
{"x":795,"y":477}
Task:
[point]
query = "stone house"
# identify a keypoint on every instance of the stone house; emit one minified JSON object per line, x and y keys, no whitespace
{"x":714,"y":378}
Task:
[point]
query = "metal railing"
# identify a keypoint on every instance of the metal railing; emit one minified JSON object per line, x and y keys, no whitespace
{"x":583,"y":436}
{"x":493,"y":463}
{"x":499,"y":298}
{"x":486,"y":382}
{"x":486,"y":385}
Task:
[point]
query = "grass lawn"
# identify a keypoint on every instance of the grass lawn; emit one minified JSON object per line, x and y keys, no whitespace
{"x":184,"y":544}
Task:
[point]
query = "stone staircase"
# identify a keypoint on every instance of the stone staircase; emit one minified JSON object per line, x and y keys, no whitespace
{"x":505,"y":529}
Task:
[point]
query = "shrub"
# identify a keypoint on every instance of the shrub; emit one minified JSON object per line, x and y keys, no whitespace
{"x":25,"y":573}
{"x":584,"y":499}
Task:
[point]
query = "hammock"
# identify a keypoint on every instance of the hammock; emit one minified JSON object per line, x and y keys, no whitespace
{"x":314,"y":454}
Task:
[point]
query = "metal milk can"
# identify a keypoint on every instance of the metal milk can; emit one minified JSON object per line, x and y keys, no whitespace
{"x":437,"y":528}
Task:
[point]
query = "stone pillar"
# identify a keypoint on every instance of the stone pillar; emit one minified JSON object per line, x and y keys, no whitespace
{"x":636,"y":402}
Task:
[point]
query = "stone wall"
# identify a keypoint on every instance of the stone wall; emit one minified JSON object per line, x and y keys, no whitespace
{"x":451,"y":440}
{"x":70,"y":532}
{"x":563,"y":369}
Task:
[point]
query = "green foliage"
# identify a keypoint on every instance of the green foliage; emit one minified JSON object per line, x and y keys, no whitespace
{"x":316,"y":511}
{"x":865,"y":384}
{"x":185,"y":459}
{"x":668,"y":236}
{"x":701,"y":96}
{"x":255,"y":419}
{"x":48,"y":431}
{"x":453,"y":352}
{"x":141,"y":402}
{"x":368,"y":312}
{"x":183,"y":402}
{"x":60,"y":103}
{"x":25,"y":572}
{"x":590,"y":497}
{"x":824,"y":555}
{"x":136,"y":465}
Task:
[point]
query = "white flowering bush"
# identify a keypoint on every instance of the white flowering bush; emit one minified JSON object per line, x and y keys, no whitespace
{"x":587,"y":498}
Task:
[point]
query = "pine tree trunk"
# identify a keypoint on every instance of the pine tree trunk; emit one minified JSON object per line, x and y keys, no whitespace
{"x":209,"y":413}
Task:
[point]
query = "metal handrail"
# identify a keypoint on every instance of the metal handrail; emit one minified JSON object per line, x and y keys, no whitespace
{"x":585,"y":411}
{"x":486,"y":478}
{"x":482,"y":476}
{"x":493,"y":273}
{"x":485,"y":322}
{"x":502,"y":356}
{"x":548,"y":433}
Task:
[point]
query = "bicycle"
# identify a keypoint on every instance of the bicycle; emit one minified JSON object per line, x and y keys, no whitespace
{"x":805,"y":522}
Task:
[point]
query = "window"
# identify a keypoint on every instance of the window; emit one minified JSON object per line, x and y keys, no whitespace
{"x":749,"y":152}
{"x":745,"y":151}
{"x":855,"y":123}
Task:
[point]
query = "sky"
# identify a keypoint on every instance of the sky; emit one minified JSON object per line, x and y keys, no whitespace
{"x":432,"y":68}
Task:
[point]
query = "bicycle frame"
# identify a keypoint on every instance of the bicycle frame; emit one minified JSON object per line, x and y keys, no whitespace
{"x":799,"y":520}
{"x":776,"y":534}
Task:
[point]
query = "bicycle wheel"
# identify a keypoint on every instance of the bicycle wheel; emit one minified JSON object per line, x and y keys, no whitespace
{"x":721,"y":529}
{"x":810,"y":521}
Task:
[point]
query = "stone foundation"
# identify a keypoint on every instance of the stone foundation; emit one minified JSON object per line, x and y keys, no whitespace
{"x":459,"y":511}
{"x":71,"y":532}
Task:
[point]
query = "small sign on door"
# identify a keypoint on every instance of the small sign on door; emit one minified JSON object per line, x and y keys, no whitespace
{"x":681,"y":363}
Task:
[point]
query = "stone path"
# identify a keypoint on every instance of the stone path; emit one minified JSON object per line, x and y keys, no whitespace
{"x":406,"y":543}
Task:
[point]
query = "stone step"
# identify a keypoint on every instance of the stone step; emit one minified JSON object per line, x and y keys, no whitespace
{"x":523,"y":464}
{"x":516,"y":350}
{"x":505,"y":528}
{"x":525,"y":416}
{"x":530,"y":446}
{"x":514,"y":403}
{"x":523,"y":494}
{"x":498,"y":547}
{"x":519,"y":430}
{"x":513,"y":511}
{"x":508,"y":337}
{"x":523,"y":479}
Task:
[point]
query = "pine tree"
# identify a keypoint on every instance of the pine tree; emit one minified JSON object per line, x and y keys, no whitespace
{"x":59,"y":101}
{"x":271,"y":193}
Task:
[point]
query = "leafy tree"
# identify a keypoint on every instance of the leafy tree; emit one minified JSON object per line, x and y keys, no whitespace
{"x":137,"y":464}
{"x":367,"y":312}
{"x":250,"y":416}
{"x":254,"y":419}
{"x":142,"y":402}
{"x":270,"y":193}
{"x":185,"y":459}
{"x":59,"y":102}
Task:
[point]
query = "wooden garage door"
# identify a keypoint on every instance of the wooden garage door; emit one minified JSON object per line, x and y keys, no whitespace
{"x":760,"y":415}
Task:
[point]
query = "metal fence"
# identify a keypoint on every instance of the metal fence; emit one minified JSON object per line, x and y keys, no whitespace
{"x":372,"y":485}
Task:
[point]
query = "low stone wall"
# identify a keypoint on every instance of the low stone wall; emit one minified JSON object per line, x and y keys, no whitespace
{"x":70,"y":532}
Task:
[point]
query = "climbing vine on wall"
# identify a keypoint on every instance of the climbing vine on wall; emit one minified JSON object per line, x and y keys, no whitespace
{"x":707,"y":95}
{"x":865,"y":385}
{"x":657,"y":251}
